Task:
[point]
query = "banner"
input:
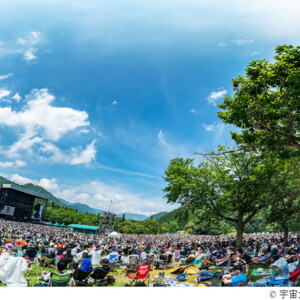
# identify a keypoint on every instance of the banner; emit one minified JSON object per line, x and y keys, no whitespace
{"x":37,"y":210}
{"x":8,"y":210}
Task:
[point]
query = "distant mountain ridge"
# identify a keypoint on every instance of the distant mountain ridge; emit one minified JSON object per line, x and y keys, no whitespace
{"x":81,"y":207}
{"x":158,"y":215}
{"x":136,"y":217}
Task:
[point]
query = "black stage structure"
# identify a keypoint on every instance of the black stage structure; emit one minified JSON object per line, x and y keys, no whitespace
{"x":107,"y":222}
{"x":20,"y":204}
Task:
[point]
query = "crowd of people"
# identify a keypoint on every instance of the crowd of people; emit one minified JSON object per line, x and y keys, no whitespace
{"x":24,"y":244}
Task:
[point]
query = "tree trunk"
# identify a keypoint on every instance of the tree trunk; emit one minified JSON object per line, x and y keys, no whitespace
{"x":239,"y":232}
{"x":286,"y":233}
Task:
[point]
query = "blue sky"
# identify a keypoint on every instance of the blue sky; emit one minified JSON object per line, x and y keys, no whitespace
{"x":97,"y":96}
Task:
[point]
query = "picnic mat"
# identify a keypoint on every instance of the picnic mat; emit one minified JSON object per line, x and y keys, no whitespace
{"x":264,"y":272}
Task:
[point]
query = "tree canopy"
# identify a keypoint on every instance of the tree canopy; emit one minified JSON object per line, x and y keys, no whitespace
{"x":233,"y":186}
{"x":266,"y":103}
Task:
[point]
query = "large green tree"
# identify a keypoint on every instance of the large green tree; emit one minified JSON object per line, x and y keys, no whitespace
{"x":266,"y":103}
{"x":286,"y":212}
{"x":233,"y":186}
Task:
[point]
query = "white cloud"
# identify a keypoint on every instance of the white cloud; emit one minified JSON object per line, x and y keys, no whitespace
{"x":114,"y":103}
{"x":84,"y":131}
{"x":172,"y":149}
{"x":221,"y":44}
{"x":161,"y":138}
{"x":2,"y":77}
{"x":214,"y":127}
{"x":39,"y":114}
{"x":40,"y":124}
{"x":48,"y":184}
{"x":99,"y":195}
{"x":85,"y":156}
{"x":31,"y":38}
{"x":243,"y":42}
{"x":12,"y":164}
{"x":4,"y":93}
{"x":29,"y":54}
{"x":75,"y":156}
{"x":217,"y":130}
{"x":17,"y":97}
{"x":20,"y":179}
{"x":254,"y":53}
{"x":214,"y":96}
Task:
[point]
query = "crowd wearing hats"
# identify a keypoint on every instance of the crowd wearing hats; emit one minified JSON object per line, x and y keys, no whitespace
{"x":43,"y":244}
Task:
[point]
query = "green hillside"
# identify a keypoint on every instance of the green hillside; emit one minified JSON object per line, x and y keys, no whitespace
{"x":158,"y":215}
{"x":41,"y":190}
{"x":6,"y":181}
{"x":35,"y":188}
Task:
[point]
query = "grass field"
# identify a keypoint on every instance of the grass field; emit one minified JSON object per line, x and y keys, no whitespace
{"x":33,"y":276}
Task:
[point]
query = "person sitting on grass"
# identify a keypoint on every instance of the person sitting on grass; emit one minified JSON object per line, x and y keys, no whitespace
{"x":236,"y":260}
{"x":12,"y":269}
{"x":86,"y":265}
{"x":265,"y":255}
{"x":96,"y":255}
{"x":105,"y":265}
{"x":235,"y":278}
{"x":60,"y":268}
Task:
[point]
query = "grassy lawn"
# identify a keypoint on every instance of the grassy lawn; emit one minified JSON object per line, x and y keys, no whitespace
{"x":33,"y":276}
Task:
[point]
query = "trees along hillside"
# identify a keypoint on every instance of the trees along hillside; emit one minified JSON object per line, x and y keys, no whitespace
{"x":232,"y":186}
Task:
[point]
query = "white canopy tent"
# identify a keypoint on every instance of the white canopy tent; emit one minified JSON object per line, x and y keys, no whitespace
{"x":114,"y":234}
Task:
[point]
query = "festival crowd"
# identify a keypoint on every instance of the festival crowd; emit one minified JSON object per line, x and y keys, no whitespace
{"x":24,"y":244}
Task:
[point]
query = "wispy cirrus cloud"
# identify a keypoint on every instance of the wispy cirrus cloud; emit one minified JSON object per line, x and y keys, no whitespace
{"x":214,"y":127}
{"x":255,"y":53}
{"x":241,"y":42}
{"x":2,"y":77}
{"x":217,"y":129}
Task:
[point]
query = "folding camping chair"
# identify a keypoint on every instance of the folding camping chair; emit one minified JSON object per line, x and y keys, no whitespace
{"x":280,"y":280}
{"x":141,"y":275}
{"x":81,"y":277}
{"x":46,"y":261}
{"x":60,"y":279}
{"x":99,"y":275}
{"x":113,"y":260}
{"x":133,"y":261}
{"x":221,"y":262}
{"x":166,"y":263}
{"x":295,"y":277}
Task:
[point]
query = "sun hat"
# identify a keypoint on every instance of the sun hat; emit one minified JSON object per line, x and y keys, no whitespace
{"x":205,"y":275}
{"x":105,"y":262}
{"x":181,"y":277}
{"x":9,"y":246}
